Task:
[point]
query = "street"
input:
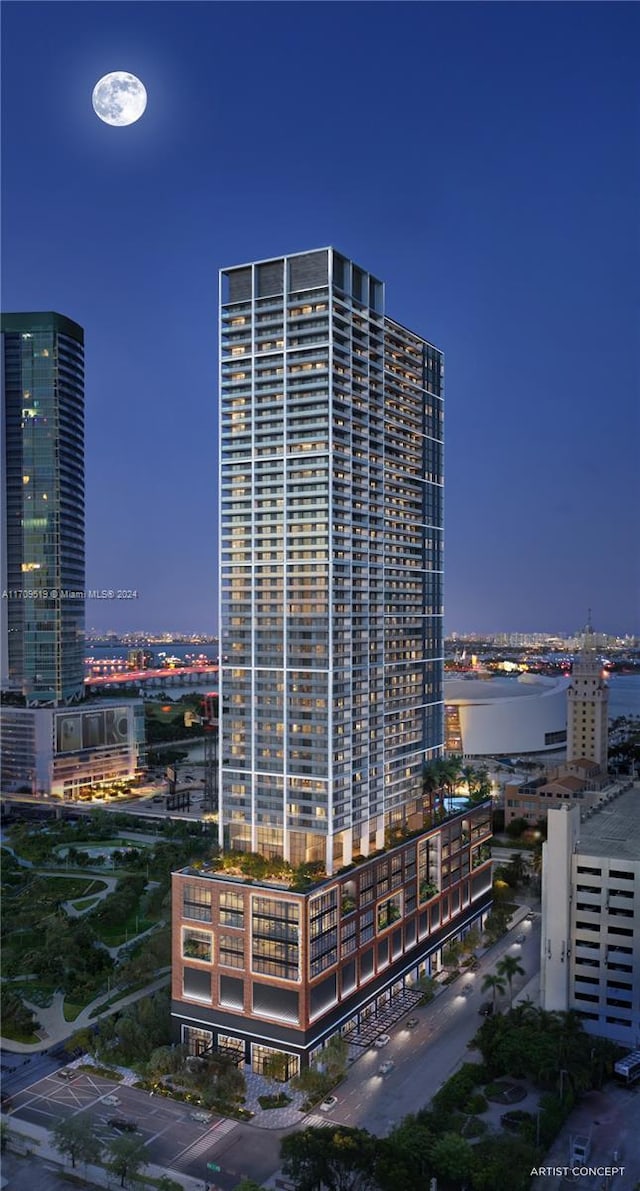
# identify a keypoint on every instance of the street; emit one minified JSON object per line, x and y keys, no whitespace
{"x":423,"y":1058}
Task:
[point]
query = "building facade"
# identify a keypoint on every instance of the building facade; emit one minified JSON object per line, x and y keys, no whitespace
{"x":330,"y":560}
{"x":588,"y":708}
{"x":590,"y":948}
{"x":331,"y":496}
{"x":70,"y":752}
{"x":42,"y":460}
{"x":498,"y":717}
{"x":258,"y":968}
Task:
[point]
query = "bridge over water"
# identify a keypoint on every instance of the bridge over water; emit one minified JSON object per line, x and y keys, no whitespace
{"x":174,"y":676}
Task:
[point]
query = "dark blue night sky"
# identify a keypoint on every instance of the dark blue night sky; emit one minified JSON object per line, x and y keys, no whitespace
{"x":481,"y":159}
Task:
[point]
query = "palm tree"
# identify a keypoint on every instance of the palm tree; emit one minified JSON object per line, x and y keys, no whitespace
{"x":508,"y":967}
{"x":495,"y":983}
{"x":468,"y":775}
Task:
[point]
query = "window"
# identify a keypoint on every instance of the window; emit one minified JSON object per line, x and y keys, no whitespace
{"x":196,"y":1040}
{"x":274,"y":937}
{"x":197,"y":944}
{"x":231,"y":909}
{"x":231,"y":951}
{"x":196,"y":902}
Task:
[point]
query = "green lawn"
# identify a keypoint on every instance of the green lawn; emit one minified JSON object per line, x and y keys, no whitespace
{"x":73,"y":886}
{"x":123,"y":932}
{"x":16,"y":1036}
{"x":72,"y":1009}
{"x":85,"y":902}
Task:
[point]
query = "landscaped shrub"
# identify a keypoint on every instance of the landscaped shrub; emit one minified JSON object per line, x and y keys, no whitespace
{"x":476,"y":1103}
{"x":457,"y":1090}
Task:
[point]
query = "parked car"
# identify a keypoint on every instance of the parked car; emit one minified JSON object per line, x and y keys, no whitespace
{"x":382,"y":1040}
{"x":328,"y":1103}
{"x":65,"y":1073}
{"x":385,"y":1068}
{"x":487,"y":1009}
{"x":203,"y":1118}
{"x":412,"y":1023}
{"x":122,"y":1125}
{"x":111,"y":1100}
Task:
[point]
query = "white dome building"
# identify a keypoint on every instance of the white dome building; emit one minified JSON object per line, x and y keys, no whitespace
{"x":496,"y":717}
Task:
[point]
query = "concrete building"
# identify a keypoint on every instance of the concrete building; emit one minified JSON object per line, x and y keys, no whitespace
{"x":69,"y":752}
{"x":505,"y":717}
{"x":42,"y":464}
{"x":590,"y":957}
{"x":531,"y":798}
{"x":331,"y":487}
{"x":588,"y":708}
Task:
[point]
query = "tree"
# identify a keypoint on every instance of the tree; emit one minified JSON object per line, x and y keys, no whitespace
{"x":248,"y":1185}
{"x":334,"y":1057}
{"x":404,"y":1158}
{"x":313,"y":1083}
{"x":508,"y":967}
{"x":452,"y":953}
{"x":74,"y":1137}
{"x":496,"y":922}
{"x":453,"y":1158}
{"x":127,"y":1154}
{"x":471,"y":940}
{"x":339,"y":1159}
{"x":516,"y":871}
{"x":275,"y":1067}
{"x":495,"y":984}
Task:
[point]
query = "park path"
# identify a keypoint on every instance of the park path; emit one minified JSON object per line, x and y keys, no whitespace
{"x":52,"y":1021}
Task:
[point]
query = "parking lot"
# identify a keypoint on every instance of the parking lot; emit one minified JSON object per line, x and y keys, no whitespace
{"x":179,"y":1142}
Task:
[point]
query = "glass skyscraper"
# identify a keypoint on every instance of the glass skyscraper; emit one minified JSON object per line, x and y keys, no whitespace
{"x":331,"y":485}
{"x":42,"y":458}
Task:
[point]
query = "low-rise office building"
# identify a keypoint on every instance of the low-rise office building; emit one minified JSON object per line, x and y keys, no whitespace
{"x":259,"y":967}
{"x":590,"y":959}
{"x":580,"y":782}
{"x":66,"y":752}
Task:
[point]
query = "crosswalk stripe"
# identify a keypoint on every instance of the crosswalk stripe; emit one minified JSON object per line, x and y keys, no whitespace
{"x":203,"y":1144}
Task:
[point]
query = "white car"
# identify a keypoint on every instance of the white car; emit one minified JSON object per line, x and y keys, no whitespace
{"x":111,"y":1100}
{"x":328,"y":1103}
{"x":385,"y":1068}
{"x":383,"y":1040}
{"x":203,"y":1118}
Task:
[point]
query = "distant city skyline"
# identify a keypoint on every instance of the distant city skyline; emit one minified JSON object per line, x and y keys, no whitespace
{"x":502,"y":212}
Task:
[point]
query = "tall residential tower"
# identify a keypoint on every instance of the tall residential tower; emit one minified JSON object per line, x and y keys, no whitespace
{"x":330,"y":680}
{"x":330,"y":560}
{"x":42,"y":462}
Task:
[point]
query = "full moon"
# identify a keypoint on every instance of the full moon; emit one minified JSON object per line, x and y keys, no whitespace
{"x":119,"y":98}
